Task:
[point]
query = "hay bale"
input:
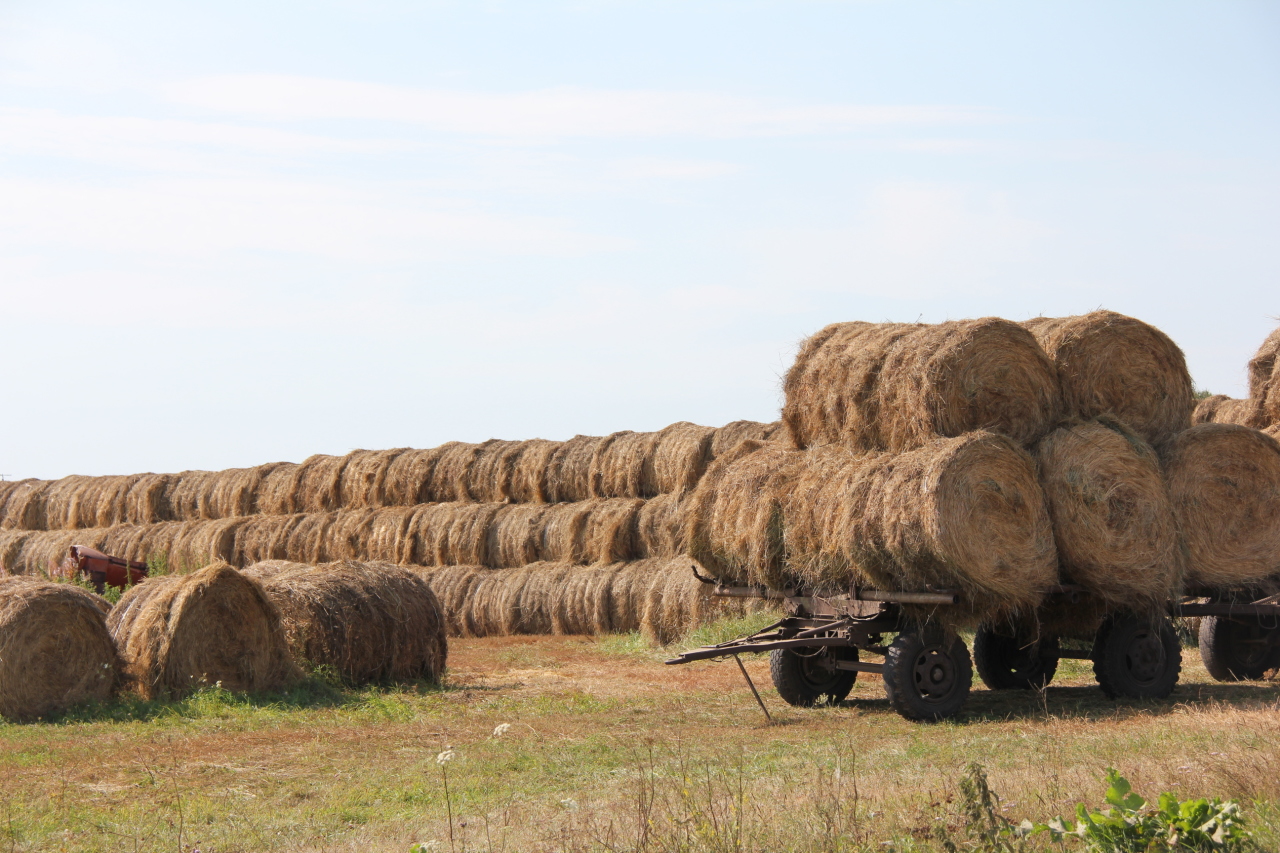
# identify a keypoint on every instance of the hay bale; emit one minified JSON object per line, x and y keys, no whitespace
{"x":677,"y":602}
{"x":898,"y":386}
{"x":629,"y":594}
{"x":961,"y":513}
{"x":371,"y":622}
{"x":409,"y":476}
{"x":1262,"y":367}
{"x":466,"y":539}
{"x":569,"y":470}
{"x":347,"y":535}
{"x":24,"y":506}
{"x":618,"y":466}
{"x":729,"y":436}
{"x":1110,"y":364}
{"x":278,"y":489}
{"x":679,"y":459}
{"x":11,"y":542}
{"x":179,"y":632}
{"x":525,"y":598}
{"x":147,"y":500}
{"x":660,"y":526}
{"x":527,"y":477}
{"x":111,"y":500}
{"x":319,"y":484}
{"x":1225,"y":484}
{"x":591,"y":531}
{"x":55,"y":650}
{"x":1273,"y":431}
{"x":449,"y":474}
{"x":234,"y":492}
{"x":263,"y":570}
{"x":387,"y":537}
{"x":364,"y":478}
{"x":1112,"y":516}
{"x":1221,"y":409}
{"x":189,"y":493}
{"x":515,"y":535}
{"x":44,"y":551}
{"x":451,"y":585}
{"x":61,"y":502}
{"x":199,"y":543}
{"x":308,"y":538}
{"x":735,"y":515}
{"x":262,"y":538}
{"x":487,"y":477}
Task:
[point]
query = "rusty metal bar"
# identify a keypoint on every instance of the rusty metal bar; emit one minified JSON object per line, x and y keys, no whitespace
{"x":766,"y":646}
{"x":1226,"y":609}
{"x":752,"y":685}
{"x":860,"y":666}
{"x":907,"y":597}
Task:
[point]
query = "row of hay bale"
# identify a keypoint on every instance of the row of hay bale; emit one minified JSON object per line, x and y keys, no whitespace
{"x":1261,"y":409}
{"x":940,"y":457}
{"x":622,"y":465}
{"x":600,"y":530}
{"x":245,"y":632}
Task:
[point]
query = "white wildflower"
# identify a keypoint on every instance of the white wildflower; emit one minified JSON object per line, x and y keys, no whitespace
{"x":445,"y":757}
{"x":502,"y":730}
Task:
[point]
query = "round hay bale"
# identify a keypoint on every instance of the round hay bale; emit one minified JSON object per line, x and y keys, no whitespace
{"x":629,"y":594}
{"x":112,"y":500}
{"x":569,"y":471}
{"x":1221,"y":409}
{"x":563,"y":527}
{"x":24,"y":507}
{"x":364,"y":478}
{"x":452,"y":587}
{"x":730,"y":435}
{"x":609,"y":534}
{"x":234,"y":492}
{"x":44,"y":551}
{"x":176,"y":633}
{"x":898,"y":386}
{"x":515,"y":535}
{"x":200,"y":543}
{"x":1112,"y":516}
{"x":387,"y":537}
{"x":449,"y":474}
{"x":618,"y":466}
{"x":680,"y":457}
{"x":961,"y":513}
{"x":308,"y":537}
{"x":7,"y":488}
{"x":528,"y":604}
{"x":264,"y":570}
{"x":529,"y":472}
{"x":1262,"y":367}
{"x":735,"y":516}
{"x":486,"y":611}
{"x":61,"y":499}
{"x":1270,"y":412}
{"x":278,"y":489}
{"x":147,"y":501}
{"x":264,"y":537}
{"x":319,"y":483}
{"x":487,"y":476}
{"x":347,"y":537}
{"x":409,"y":476}
{"x":127,"y":541}
{"x":660,"y":526}
{"x":55,"y":650}
{"x":677,"y":602}
{"x":11,"y":542}
{"x":371,"y":622}
{"x":1273,"y":431}
{"x":1225,"y":484}
{"x":1110,"y":364}
{"x":426,"y":532}
{"x":466,"y":540}
{"x":189,"y":493}
{"x":580,"y":603}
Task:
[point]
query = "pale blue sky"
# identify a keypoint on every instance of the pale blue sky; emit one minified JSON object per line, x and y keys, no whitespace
{"x":242,"y":232}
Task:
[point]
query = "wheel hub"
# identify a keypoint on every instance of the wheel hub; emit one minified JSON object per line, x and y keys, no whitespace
{"x":935,"y":674}
{"x":1145,"y":657}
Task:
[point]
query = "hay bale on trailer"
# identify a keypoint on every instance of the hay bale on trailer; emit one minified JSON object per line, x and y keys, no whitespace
{"x":1113,"y":519}
{"x":1262,"y":367}
{"x":1221,"y":409}
{"x":55,"y":650}
{"x":898,"y":386}
{"x":1225,"y":484}
{"x":179,"y":632}
{"x":1110,"y":364}
{"x":735,"y":515}
{"x":371,"y":622}
{"x":962,"y":513}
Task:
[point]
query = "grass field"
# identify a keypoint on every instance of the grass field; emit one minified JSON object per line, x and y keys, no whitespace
{"x":605,"y":748}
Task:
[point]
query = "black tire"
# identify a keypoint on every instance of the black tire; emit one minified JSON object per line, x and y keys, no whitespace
{"x":1137,"y":658}
{"x":1011,"y":663}
{"x":1237,"y":650}
{"x":808,"y":677}
{"x":927,"y":679}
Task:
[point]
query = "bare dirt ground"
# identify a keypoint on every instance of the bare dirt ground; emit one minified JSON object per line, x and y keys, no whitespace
{"x":608,"y":749}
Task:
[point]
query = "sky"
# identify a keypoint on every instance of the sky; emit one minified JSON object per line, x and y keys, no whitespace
{"x":234,"y":233}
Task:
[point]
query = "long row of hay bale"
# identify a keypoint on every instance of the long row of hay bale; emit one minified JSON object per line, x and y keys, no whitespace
{"x":602,"y":530}
{"x":622,"y":465}
{"x":1261,"y":409}
{"x":61,"y":645}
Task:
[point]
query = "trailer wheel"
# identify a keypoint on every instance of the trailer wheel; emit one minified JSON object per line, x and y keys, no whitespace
{"x":1011,"y":663}
{"x":1137,"y":658}
{"x":806,"y":678}
{"x":927,"y":678}
{"x":1237,"y":650}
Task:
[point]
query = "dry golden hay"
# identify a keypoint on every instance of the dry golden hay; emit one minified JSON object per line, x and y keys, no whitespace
{"x":11,"y":542}
{"x":347,"y":536}
{"x":24,"y":506}
{"x":387,"y":535}
{"x":131,"y":541}
{"x":527,"y":476}
{"x":591,"y":531}
{"x":147,"y":500}
{"x":488,"y":474}
{"x":1262,"y":367}
{"x":617,"y":468}
{"x":515,"y":535}
{"x":409,"y":476}
{"x":189,"y":493}
{"x":55,"y":650}
{"x":1225,"y":483}
{"x":660,"y":526}
{"x":563,"y":527}
{"x":200,"y":543}
{"x":1270,"y":415}
{"x":176,"y":633}
{"x":677,"y":602}
{"x":7,"y":488}
{"x":452,"y":534}
{"x":898,"y":386}
{"x":581,"y":603}
{"x":264,"y":570}
{"x":965,"y":514}
{"x":264,"y":537}
{"x":628,"y":595}
{"x":452,"y":587}
{"x":1110,"y":364}
{"x":308,"y":538}
{"x":234,"y":492}
{"x":1221,"y":409}
{"x":1112,"y":515}
{"x":278,"y":489}
{"x":486,"y":613}
{"x":449,"y":474}
{"x":371,"y":622}
{"x":734,"y":518}
{"x":111,"y":499}
{"x":679,"y":459}
{"x":1273,"y":431}
{"x":730,"y":435}
{"x":569,"y":470}
{"x":44,"y":551}
{"x":319,"y":483}
{"x":364,"y":478}
{"x":61,"y":502}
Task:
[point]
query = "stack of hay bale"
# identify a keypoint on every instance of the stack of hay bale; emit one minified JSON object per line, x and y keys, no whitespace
{"x":501,"y":510}
{"x":1261,"y":409}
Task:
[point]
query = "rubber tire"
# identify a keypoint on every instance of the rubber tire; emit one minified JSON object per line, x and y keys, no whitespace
{"x":1008,"y":663}
{"x":1225,"y":655}
{"x":801,"y":680}
{"x":909,"y":664}
{"x":1134,"y":659}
